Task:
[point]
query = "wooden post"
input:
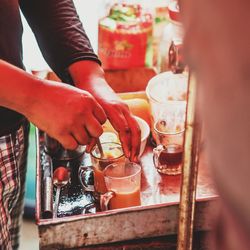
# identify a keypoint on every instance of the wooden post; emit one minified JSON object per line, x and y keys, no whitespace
{"x":190,"y":170}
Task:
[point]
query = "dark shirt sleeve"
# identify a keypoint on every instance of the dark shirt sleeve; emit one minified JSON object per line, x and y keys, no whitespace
{"x":59,"y":33}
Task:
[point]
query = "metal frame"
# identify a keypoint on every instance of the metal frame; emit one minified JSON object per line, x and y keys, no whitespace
{"x":190,"y":170}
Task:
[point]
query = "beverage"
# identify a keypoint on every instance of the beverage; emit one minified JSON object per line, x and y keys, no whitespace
{"x":123,"y":182}
{"x":171,"y":156}
{"x":125,"y":199}
{"x":100,"y":186}
{"x":168,"y":159}
{"x":98,"y":174}
{"x":112,"y":153}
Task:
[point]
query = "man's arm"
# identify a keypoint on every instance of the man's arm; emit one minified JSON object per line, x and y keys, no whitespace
{"x":67,"y":49}
{"x":89,"y":76}
{"x":69,"y":114}
{"x":59,"y":33}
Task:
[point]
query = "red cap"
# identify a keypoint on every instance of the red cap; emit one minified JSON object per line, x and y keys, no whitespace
{"x":174,"y":11}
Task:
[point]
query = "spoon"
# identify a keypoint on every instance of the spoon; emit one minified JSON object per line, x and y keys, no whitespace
{"x":60,"y":179}
{"x":99,"y":145}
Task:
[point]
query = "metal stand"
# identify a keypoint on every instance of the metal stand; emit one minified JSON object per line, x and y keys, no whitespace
{"x":190,"y":170}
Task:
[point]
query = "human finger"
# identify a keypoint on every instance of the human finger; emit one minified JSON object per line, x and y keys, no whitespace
{"x":120,"y":124}
{"x":99,"y":114}
{"x":91,"y":144}
{"x":68,"y":141}
{"x":93,"y":127}
{"x":135,"y":137}
{"x":81,"y":135}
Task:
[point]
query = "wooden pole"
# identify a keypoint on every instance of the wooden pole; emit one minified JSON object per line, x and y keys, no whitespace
{"x":190,"y":170}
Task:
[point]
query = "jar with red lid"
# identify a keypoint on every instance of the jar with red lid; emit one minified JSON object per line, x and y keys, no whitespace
{"x":125,"y":37}
{"x":171,"y":44}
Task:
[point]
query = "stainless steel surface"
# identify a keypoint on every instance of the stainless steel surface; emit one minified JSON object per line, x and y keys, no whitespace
{"x":47,"y":188}
{"x":120,"y":225}
{"x":48,"y":198}
{"x":86,"y":174}
{"x":157,"y":216}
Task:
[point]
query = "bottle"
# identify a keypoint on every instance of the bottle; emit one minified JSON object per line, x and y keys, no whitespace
{"x":171,"y":43}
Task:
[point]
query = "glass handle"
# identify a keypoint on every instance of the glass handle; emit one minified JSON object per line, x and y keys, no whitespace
{"x":156,"y":153}
{"x":86,"y":178}
{"x":105,"y":198}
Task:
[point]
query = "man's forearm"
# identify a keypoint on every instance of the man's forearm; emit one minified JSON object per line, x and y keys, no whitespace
{"x":17,"y":88}
{"x":89,"y":75}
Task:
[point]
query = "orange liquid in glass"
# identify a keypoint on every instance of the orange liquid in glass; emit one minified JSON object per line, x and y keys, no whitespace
{"x":129,"y":199}
{"x":100,"y":186}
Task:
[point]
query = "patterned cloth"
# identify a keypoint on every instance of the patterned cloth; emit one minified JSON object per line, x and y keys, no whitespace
{"x":13,"y":158}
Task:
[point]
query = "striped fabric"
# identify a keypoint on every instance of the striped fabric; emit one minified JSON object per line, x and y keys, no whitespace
{"x":13,"y":158}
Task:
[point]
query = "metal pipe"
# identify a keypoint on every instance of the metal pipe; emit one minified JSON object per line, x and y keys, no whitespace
{"x":47,"y":188}
{"x":190,"y":170}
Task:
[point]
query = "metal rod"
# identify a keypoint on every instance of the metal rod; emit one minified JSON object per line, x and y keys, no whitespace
{"x":47,"y":188}
{"x":190,"y":170}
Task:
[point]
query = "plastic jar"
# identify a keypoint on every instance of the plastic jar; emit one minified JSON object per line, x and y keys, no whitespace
{"x":125,"y":37}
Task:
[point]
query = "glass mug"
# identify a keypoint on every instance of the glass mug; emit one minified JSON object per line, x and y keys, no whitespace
{"x":123,"y":182}
{"x":112,"y":153}
{"x":168,"y":154}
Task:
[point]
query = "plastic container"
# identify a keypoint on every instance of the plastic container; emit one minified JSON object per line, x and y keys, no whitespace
{"x":125,"y":37}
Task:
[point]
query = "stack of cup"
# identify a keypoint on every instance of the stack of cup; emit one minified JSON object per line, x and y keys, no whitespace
{"x":167,"y":97}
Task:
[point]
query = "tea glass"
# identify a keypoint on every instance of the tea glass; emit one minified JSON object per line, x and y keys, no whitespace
{"x":112,"y":153}
{"x":123,"y":182}
{"x":168,"y":154}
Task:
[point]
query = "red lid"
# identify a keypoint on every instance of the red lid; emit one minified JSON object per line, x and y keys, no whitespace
{"x":174,"y":11}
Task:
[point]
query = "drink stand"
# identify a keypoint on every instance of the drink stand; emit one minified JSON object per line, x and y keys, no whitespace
{"x":174,"y":210}
{"x":164,"y":200}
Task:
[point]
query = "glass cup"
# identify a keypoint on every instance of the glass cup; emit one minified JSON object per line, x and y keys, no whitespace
{"x":112,"y":153}
{"x":123,"y":182}
{"x":168,"y":154}
{"x":168,"y":104}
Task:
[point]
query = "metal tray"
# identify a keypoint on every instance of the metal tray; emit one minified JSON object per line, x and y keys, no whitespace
{"x":157,"y":216}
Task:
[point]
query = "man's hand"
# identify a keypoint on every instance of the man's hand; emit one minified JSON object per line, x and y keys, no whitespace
{"x":66,"y":113}
{"x":125,"y":124}
{"x":70,"y":115}
{"x":88,"y":75}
